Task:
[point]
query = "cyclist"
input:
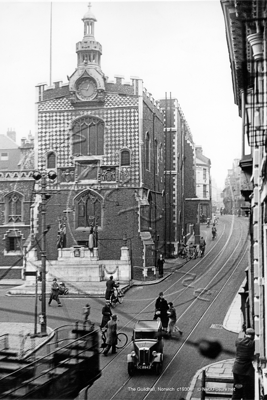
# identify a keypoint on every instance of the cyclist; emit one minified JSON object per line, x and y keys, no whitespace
{"x":202,"y":246}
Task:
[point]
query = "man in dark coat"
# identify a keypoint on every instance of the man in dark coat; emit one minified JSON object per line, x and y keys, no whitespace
{"x":160,"y":264}
{"x":161,"y":309}
{"x":106,"y":314}
{"x":54,"y":293}
{"x":110,"y":288}
{"x":202,"y":246}
{"x":243,"y":370}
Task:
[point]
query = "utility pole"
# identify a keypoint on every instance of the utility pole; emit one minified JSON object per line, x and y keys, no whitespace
{"x":44,"y":196}
{"x":43,"y":255}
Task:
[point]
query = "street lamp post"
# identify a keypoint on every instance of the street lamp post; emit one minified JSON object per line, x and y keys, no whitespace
{"x":44,"y":196}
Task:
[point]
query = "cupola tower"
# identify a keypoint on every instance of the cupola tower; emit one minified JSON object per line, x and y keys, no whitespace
{"x":87,"y":83}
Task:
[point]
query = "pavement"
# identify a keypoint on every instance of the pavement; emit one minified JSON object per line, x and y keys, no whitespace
{"x":221,"y":369}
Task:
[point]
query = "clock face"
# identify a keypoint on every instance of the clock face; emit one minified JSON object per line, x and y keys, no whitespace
{"x":86,"y":89}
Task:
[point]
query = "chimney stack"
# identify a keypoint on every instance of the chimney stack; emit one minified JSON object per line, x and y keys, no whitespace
{"x":12,"y":134}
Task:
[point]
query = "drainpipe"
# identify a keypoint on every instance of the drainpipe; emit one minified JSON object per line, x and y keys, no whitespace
{"x":141,"y":142}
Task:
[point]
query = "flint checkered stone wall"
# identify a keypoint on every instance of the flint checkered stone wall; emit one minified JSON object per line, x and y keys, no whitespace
{"x":121,"y":130}
{"x":120,"y":210}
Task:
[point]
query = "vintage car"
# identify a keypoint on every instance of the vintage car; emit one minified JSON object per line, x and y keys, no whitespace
{"x":147,"y":351}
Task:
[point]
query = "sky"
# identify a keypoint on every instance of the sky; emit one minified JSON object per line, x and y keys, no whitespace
{"x":176,"y":47}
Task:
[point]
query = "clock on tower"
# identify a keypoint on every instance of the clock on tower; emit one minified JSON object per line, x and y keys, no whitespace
{"x":86,"y":89}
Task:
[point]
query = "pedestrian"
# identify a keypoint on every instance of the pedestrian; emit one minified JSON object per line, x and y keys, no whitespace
{"x":106,"y":314}
{"x":54,"y":293}
{"x":111,"y":335}
{"x":243,"y":370}
{"x":202,"y":246}
{"x":86,"y":312}
{"x":160,"y":265}
{"x":172,"y":319}
{"x":110,"y":284}
{"x":214,"y":231}
{"x":161,"y":308}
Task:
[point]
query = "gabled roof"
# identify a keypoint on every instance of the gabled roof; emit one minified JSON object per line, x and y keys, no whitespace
{"x":202,"y":160}
{"x":6,"y":143}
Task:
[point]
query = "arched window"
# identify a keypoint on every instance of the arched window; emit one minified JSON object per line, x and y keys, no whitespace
{"x":13,"y":207}
{"x":88,"y":136}
{"x":89,"y":210}
{"x":51,"y":160}
{"x":147,"y":152}
{"x":125,"y":158}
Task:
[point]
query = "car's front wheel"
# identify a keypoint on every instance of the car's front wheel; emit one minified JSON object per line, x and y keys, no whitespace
{"x":131,"y":368}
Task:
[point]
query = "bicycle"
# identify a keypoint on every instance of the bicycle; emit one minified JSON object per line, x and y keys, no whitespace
{"x":192,"y":252}
{"x":122,"y":340}
{"x":117,"y":296}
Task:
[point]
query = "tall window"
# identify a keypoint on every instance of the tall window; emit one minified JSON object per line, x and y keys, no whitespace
{"x":205,"y":191}
{"x":204,"y":173}
{"x":125,"y":158}
{"x":88,"y":136}
{"x":156,"y":157}
{"x":13,"y":244}
{"x":88,"y":210}
{"x":51,"y":160}
{"x":147,"y":152}
{"x":13,"y":207}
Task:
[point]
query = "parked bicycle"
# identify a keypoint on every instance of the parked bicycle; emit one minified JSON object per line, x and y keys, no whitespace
{"x":183,"y":251}
{"x":63,"y":289}
{"x":122,"y":340}
{"x":192,"y":252}
{"x":189,"y":252}
{"x":117,"y":296}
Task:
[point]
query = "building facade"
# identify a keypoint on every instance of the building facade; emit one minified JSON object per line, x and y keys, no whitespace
{"x":203,"y":184}
{"x":246,"y":34}
{"x":16,"y":199}
{"x":181,"y":203}
{"x":9,"y":151}
{"x":233,"y":201}
{"x":105,"y":141}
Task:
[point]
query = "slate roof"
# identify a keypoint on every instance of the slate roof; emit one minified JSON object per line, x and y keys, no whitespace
{"x":6,"y":143}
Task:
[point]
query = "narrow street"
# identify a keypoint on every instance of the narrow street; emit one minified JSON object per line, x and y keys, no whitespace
{"x":201,"y":290}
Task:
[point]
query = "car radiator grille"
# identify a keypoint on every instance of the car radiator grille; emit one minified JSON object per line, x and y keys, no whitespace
{"x":144,"y":356}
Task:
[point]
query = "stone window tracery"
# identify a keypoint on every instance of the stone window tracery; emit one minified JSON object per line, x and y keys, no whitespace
{"x":88,"y":136}
{"x":89,"y":210}
{"x":14,"y":207}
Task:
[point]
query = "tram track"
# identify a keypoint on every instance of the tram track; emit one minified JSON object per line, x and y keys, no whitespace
{"x":227,"y":268}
